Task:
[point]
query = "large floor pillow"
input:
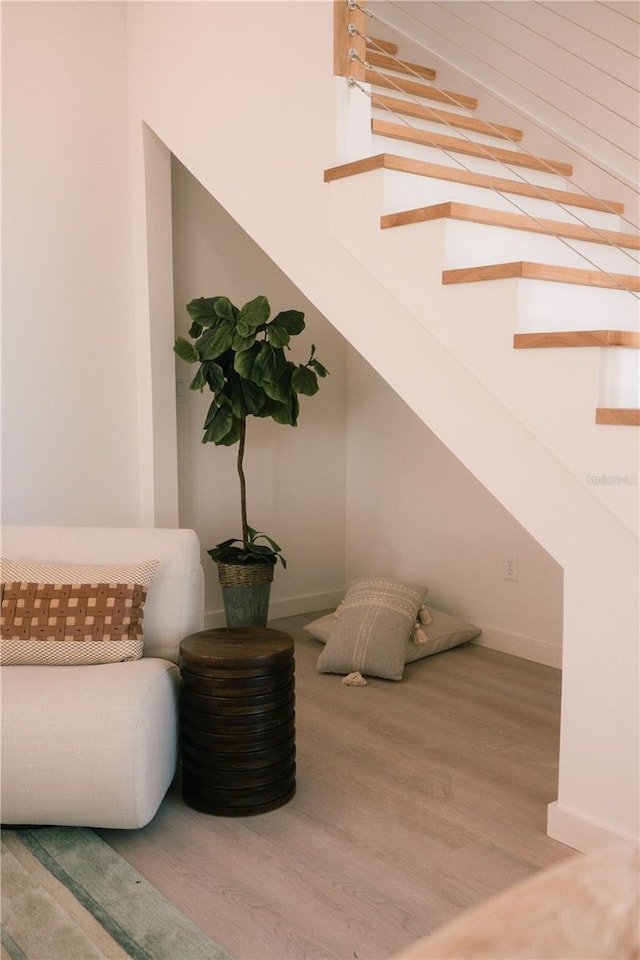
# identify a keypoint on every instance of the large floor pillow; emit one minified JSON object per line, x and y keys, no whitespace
{"x":441,"y":631}
{"x":371,"y":628}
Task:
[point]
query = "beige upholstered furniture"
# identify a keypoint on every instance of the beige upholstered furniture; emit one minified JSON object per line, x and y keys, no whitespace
{"x":584,"y":908}
{"x":96,"y":745}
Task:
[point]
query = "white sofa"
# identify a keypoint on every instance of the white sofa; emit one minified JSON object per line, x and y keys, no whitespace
{"x":97,"y":745}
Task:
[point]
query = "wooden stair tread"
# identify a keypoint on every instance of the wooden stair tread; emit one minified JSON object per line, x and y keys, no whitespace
{"x":420,"y":89}
{"x":618,"y":416}
{"x":425,"y":137}
{"x":387,"y":45}
{"x":424,"y":168}
{"x":424,"y":112}
{"x":377,"y":59}
{"x":542,"y":271}
{"x":514,"y":221}
{"x":577,"y":338}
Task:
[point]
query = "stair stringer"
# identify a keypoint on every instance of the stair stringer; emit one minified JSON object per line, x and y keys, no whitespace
{"x":554,"y":393}
{"x":281,"y":159}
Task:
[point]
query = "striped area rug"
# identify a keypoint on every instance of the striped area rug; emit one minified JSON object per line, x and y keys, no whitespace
{"x":66,"y":895}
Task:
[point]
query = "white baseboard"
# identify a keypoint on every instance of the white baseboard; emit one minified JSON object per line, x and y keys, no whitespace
{"x":290,"y":607}
{"x":580,"y":832}
{"x":518,"y":646}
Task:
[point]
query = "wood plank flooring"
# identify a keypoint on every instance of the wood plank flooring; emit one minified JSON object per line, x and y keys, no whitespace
{"x":415,"y":800}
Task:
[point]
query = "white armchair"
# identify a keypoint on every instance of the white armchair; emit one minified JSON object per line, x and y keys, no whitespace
{"x":97,"y":745}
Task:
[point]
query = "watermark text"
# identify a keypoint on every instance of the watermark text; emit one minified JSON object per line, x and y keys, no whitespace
{"x":613,"y":479}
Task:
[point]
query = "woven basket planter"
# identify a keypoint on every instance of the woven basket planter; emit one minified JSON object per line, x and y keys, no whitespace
{"x":246,"y":588}
{"x":244,"y":574}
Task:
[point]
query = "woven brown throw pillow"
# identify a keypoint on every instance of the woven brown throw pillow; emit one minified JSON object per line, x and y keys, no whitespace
{"x":70,"y":614}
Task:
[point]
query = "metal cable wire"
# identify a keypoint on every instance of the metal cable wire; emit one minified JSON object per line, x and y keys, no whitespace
{"x":531,"y":61}
{"x":572,"y":53}
{"x":617,"y":12}
{"x":530,"y":120}
{"x":486,"y":150}
{"x":498,"y":131}
{"x":587,"y":30}
{"x":530,"y":216}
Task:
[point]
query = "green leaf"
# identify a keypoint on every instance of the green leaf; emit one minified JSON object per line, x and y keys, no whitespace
{"x":218,"y":425}
{"x":291,"y":320}
{"x":215,"y":341}
{"x":253,"y":315}
{"x":277,"y":336}
{"x":242,"y":343}
{"x":185,"y":350}
{"x":202,"y":310}
{"x":319,"y":368}
{"x":211,"y":412}
{"x":304,"y":380}
{"x":254,"y":397}
{"x":234,"y":434}
{"x":246,"y":396}
{"x":195,"y":330}
{"x":286,"y":413}
{"x":277,"y":391}
{"x":273,"y":551}
{"x":245,"y":361}
{"x":225,"y":543}
{"x":270,"y":364}
{"x":224,"y":309}
{"x":254,"y":534}
{"x":214,"y":375}
{"x":287,"y":324}
{"x":199,"y":382}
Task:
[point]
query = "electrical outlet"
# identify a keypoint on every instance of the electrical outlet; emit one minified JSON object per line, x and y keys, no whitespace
{"x":510,"y":566}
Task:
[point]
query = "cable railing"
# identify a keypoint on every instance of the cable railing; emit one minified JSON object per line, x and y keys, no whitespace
{"x":358,"y":40}
{"x":519,"y":81}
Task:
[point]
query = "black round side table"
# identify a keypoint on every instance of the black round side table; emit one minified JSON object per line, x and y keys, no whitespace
{"x":237,"y":720}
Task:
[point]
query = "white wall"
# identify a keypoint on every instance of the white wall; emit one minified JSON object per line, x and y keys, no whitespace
{"x":415,"y":512}
{"x":69,"y":433}
{"x":412,"y":510}
{"x":295,"y":476}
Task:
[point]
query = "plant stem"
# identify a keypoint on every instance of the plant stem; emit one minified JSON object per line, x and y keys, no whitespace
{"x":243,"y":486}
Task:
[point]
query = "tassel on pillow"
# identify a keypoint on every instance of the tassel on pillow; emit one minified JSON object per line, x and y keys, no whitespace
{"x":354,"y":680}
{"x":423,"y":618}
{"x":419,"y":636}
{"x":423,"y":615}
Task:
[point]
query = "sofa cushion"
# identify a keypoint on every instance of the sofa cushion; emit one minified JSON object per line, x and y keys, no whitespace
{"x":72,"y":614}
{"x":91,"y":746}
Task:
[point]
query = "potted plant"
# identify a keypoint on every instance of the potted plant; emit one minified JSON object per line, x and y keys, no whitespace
{"x":241,"y":359}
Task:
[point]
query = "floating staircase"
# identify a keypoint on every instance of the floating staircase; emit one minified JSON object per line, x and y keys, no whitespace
{"x":504,"y":215}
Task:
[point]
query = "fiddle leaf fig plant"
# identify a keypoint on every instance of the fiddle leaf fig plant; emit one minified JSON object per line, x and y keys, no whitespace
{"x":241,"y":357}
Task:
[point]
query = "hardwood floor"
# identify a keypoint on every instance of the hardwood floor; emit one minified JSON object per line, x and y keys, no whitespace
{"x":415,"y":800}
